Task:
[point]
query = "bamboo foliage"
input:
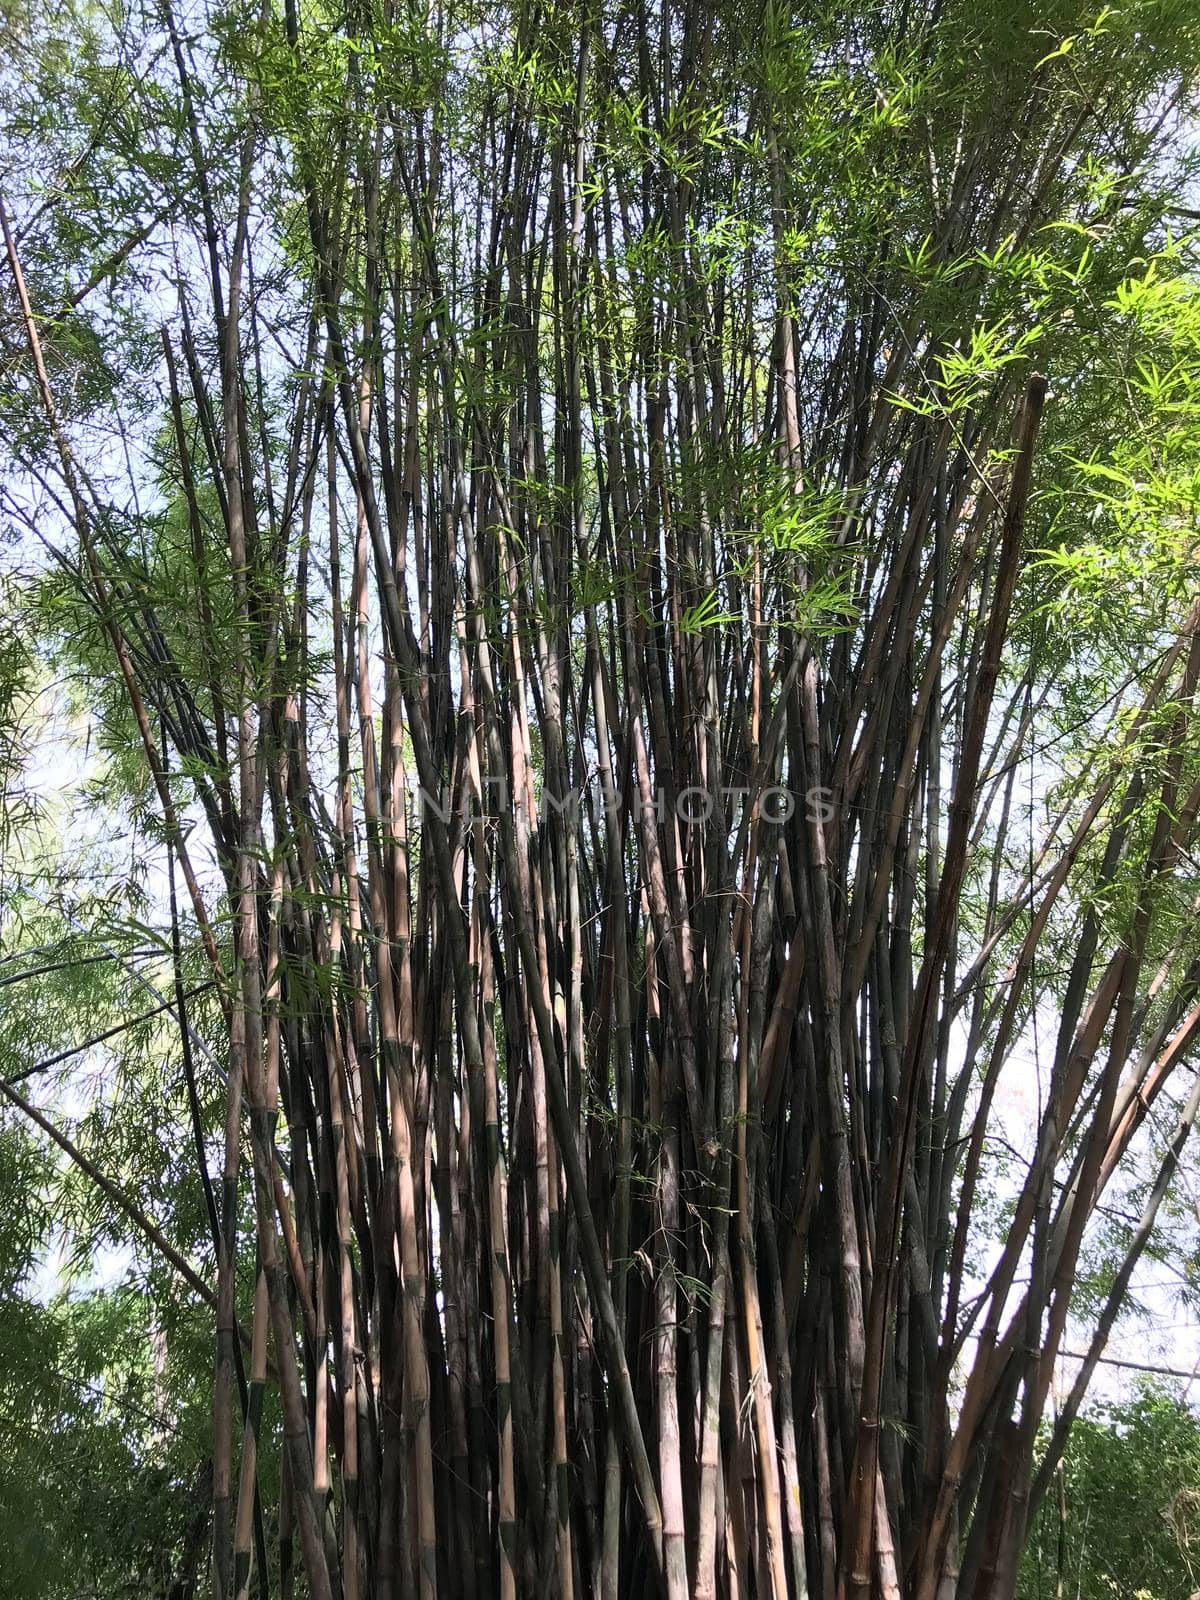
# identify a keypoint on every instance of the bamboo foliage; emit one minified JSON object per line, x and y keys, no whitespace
{"x":613,"y":471}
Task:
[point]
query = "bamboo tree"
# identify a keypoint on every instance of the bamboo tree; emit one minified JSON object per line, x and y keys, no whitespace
{"x":598,"y":612}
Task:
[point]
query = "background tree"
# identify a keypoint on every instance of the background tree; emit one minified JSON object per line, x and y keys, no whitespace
{"x":1142,"y":1453}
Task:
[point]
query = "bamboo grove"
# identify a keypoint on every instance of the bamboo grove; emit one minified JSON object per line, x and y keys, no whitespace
{"x":587,"y":540}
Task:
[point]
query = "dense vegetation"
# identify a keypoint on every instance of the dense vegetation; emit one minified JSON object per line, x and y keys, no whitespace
{"x":1122,"y":1518}
{"x":601,"y":790}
